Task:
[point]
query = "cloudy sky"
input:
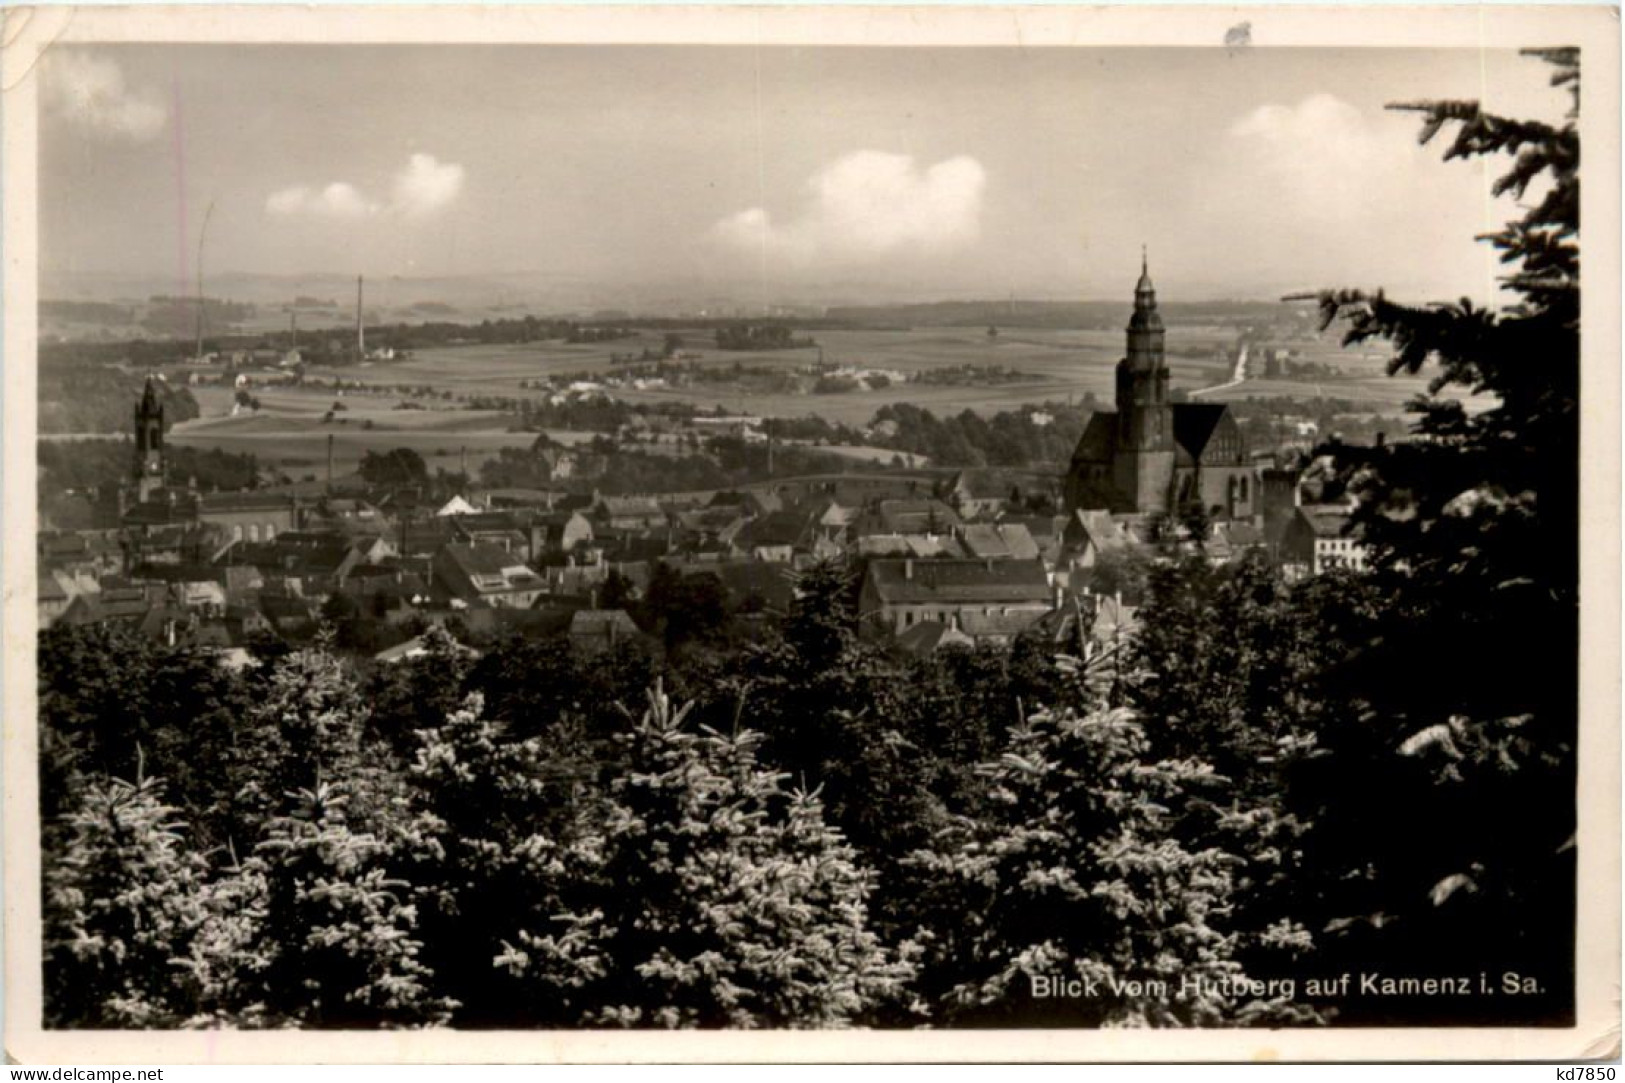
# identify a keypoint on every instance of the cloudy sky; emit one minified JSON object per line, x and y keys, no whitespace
{"x":902,"y":172}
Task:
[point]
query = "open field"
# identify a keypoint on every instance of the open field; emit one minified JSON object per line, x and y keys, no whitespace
{"x":1061,"y":366}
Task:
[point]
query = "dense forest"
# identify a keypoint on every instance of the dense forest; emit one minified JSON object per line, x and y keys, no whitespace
{"x":1272,"y":803}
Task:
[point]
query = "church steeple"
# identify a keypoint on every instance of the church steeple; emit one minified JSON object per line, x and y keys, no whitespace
{"x":148,"y":467}
{"x":1143,"y":373}
{"x":1145,"y":331}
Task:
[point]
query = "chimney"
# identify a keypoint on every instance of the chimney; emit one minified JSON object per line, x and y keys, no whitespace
{"x":360,"y":325}
{"x":908,"y":568}
{"x":329,"y":462}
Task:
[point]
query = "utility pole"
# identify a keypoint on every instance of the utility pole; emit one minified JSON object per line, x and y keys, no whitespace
{"x":360,"y":325}
{"x":201,"y":234}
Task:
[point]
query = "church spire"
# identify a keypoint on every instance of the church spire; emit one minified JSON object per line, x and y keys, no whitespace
{"x":1145,"y":294}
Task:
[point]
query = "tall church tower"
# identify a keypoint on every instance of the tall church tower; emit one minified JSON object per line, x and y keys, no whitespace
{"x":148,"y":466}
{"x":1143,"y":463}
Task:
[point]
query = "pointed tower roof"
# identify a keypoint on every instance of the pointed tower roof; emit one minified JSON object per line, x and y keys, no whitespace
{"x":1145,"y":300}
{"x":149,"y":397}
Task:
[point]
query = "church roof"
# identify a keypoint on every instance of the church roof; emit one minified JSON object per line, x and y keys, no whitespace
{"x":1194,"y":424}
{"x":1099,"y":438}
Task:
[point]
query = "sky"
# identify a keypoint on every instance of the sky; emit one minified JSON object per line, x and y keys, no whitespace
{"x":793,"y":173}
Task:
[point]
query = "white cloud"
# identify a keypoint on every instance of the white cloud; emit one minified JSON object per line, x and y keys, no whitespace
{"x":1322,"y":149}
{"x":90,"y":93}
{"x":870,"y":204}
{"x":424,"y":185}
{"x":337,"y":200}
{"x":1318,"y":192}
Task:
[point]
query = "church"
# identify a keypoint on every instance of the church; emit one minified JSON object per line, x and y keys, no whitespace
{"x":1154,"y":456}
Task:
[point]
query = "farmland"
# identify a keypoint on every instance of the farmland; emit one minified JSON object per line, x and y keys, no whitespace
{"x":423,"y":400}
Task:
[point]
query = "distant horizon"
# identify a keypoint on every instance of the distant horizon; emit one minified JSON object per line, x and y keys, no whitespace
{"x":87,"y":286}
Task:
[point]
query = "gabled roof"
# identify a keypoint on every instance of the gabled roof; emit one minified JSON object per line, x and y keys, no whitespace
{"x":1040,"y":528}
{"x":752,"y":501}
{"x":982,"y":484}
{"x":983,"y":540}
{"x":489,"y":560}
{"x":996,"y":624}
{"x":909,"y":545}
{"x":959,"y":581}
{"x":1327,"y":520}
{"x":917,"y":517}
{"x":1194,"y":424}
{"x":1019,"y":540}
{"x":640,"y":506}
{"x":1099,"y":438}
{"x":788,"y":526}
{"x":929,"y":636}
{"x":1100,"y":529}
{"x":50,"y":590}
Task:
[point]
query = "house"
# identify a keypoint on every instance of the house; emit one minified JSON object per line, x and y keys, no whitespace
{"x":486,"y":574}
{"x":57,"y":590}
{"x":978,"y":494}
{"x":982,"y":541}
{"x":715,"y":524}
{"x":595,"y":631}
{"x":1088,"y":535}
{"x":311,"y":564}
{"x":455,"y":506}
{"x":1087,"y":626}
{"x":628,"y":513}
{"x":929,"y":636}
{"x":417,"y":647}
{"x":287,"y":614}
{"x":249,"y":516}
{"x":349,"y":514}
{"x":898,"y":594}
{"x":92,"y":553}
{"x":52,"y":600}
{"x":752,"y":503}
{"x":498,"y":528}
{"x":556,"y":533}
{"x":423,"y":537}
{"x":1019,"y":541}
{"x":1230,"y":541}
{"x":908,"y":545}
{"x":927,"y":517}
{"x":121,"y":606}
{"x":1322,"y":537}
